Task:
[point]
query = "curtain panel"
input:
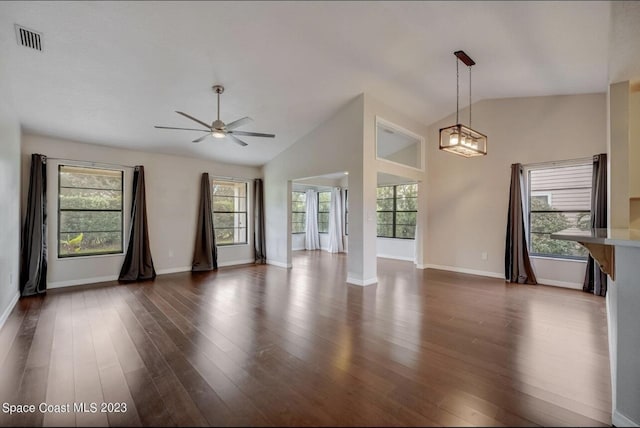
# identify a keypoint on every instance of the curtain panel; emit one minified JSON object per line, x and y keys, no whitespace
{"x":33,"y":251}
{"x":517,"y":265}
{"x":138,"y":263}
{"x":205,"y":252}
{"x":595,"y":280}
{"x":259,"y":241}
{"x":312,"y":236}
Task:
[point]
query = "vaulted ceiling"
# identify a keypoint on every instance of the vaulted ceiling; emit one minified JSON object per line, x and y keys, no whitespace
{"x":110,"y":71}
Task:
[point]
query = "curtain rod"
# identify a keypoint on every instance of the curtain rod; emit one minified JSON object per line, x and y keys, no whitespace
{"x":89,"y":162}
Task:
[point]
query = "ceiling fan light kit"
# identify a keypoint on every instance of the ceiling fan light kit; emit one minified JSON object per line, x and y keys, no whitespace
{"x":460,"y":139}
{"x":218,"y":129}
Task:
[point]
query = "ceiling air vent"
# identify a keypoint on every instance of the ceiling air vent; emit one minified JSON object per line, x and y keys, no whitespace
{"x":29,"y":38}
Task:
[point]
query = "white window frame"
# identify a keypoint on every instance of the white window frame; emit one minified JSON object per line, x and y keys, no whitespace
{"x":526,"y":190}
{"x":247,"y":212}
{"x":56,"y":165}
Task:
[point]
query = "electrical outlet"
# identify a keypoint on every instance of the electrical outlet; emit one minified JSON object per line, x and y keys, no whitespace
{"x":170,"y":253}
{"x":484,"y":255}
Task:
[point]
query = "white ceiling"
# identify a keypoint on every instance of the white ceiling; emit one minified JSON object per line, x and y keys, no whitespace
{"x":110,"y":71}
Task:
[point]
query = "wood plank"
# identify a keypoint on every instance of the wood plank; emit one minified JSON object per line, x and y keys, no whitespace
{"x":261,"y":345}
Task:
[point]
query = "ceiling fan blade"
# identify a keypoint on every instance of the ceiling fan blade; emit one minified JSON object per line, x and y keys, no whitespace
{"x":251,"y":134}
{"x":197,"y":140}
{"x":238,"y":123}
{"x":182,"y":129}
{"x":237,"y":140}
{"x":194,"y":119}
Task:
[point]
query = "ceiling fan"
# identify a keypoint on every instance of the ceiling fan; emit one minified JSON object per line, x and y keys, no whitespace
{"x":218,"y":129}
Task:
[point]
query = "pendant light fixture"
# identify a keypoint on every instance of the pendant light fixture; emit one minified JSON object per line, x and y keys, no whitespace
{"x":461,"y":139}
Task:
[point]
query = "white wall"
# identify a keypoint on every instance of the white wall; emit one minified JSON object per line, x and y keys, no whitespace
{"x":10,"y":197}
{"x":624,"y":66}
{"x":334,"y":146}
{"x":399,"y":249}
{"x":624,"y":41}
{"x":172,"y":189}
{"x":395,"y":248}
{"x":468,"y":198}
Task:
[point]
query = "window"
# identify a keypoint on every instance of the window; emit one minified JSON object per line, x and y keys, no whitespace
{"x":346,"y":212}
{"x":89,"y":211}
{"x":397,"y":210}
{"x":324,"y":206}
{"x":229,"y":204}
{"x":559,"y":198}
{"x":298,"y":211}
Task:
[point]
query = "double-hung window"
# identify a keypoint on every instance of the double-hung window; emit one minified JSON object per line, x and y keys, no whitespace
{"x":558,"y":198}
{"x":397,"y":207}
{"x":324,"y":207}
{"x":298,"y":211}
{"x":90,"y":220}
{"x":229,"y":205}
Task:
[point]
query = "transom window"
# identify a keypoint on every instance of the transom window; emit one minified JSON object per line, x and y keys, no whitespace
{"x":397,"y":210}
{"x":229,"y":205}
{"x":298,"y":211}
{"x":90,"y":220}
{"x":324,"y":207}
{"x":558,"y":198}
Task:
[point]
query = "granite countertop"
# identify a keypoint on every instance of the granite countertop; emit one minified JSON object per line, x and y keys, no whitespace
{"x":621,"y":237}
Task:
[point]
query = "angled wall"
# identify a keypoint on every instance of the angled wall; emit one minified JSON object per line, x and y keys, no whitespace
{"x":468,"y":198}
{"x":334,"y":146}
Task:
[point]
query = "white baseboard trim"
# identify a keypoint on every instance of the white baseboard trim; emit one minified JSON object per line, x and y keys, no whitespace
{"x":173,"y":270}
{"x":9,"y":308}
{"x":421,"y":266}
{"x":387,"y":256}
{"x":361,"y":282}
{"x":620,"y":420}
{"x":280,"y":264}
{"x":82,"y":281}
{"x":563,"y":284}
{"x":465,"y":270}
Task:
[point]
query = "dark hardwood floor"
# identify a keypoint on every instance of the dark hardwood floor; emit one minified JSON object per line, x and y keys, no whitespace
{"x":262,"y":345}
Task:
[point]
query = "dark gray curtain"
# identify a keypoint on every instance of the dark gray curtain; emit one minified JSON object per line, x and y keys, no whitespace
{"x":595,"y":281}
{"x":259,"y":243}
{"x":33,"y":254}
{"x":517,"y":265}
{"x":138,"y":264}
{"x":205,"y":253}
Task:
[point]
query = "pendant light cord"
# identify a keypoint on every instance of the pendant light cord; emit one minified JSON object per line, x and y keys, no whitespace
{"x":457,"y":91}
{"x":469,"y":96}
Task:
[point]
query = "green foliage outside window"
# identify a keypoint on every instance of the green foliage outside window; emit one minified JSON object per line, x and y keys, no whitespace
{"x":397,"y":210}
{"x":324,"y":207}
{"x":298,"y":211}
{"x":229,"y":205}
{"x":90,"y":211}
{"x":545,"y":220}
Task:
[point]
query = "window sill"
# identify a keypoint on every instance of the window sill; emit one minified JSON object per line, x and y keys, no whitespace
{"x":395,"y":239}
{"x":559,"y":259}
{"x":243,"y":244}
{"x":90,"y":256}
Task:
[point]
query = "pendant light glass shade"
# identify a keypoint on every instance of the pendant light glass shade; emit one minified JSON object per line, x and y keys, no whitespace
{"x":460,"y":139}
{"x":463,"y":141}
